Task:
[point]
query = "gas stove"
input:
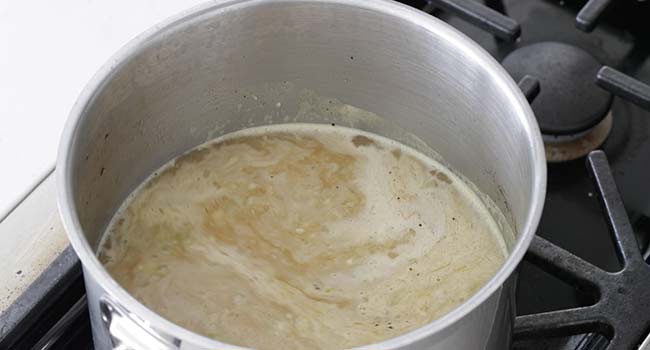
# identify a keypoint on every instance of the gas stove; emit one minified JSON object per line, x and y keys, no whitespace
{"x":582,"y":283}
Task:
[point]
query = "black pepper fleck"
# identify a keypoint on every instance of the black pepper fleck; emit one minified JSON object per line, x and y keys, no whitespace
{"x":420,"y":225}
{"x":19,"y":272}
{"x":333,"y":124}
{"x":101,"y":172}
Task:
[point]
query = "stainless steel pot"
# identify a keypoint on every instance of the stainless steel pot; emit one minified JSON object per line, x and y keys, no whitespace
{"x":228,"y":65}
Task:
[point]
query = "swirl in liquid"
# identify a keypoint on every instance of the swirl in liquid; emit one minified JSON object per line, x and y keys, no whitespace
{"x":302,"y":236}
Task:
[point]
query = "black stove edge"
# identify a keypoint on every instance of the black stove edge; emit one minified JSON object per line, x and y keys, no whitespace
{"x":39,"y":297}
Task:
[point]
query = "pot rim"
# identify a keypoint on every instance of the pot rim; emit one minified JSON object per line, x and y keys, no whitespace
{"x":427,"y":22}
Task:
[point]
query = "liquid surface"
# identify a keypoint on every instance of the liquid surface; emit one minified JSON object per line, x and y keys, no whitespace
{"x":300,"y":236}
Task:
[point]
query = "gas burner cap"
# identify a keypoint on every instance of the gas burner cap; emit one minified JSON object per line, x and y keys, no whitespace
{"x":569,"y":101}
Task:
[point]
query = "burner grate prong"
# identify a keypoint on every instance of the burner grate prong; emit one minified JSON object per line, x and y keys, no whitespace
{"x":588,"y":16}
{"x":620,"y":227}
{"x":566,"y":266}
{"x":529,"y":85}
{"x":482,"y":16}
{"x":624,"y":86}
{"x":559,"y":323}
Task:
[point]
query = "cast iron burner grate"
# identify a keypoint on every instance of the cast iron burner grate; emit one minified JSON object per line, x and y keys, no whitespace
{"x":621,"y":313}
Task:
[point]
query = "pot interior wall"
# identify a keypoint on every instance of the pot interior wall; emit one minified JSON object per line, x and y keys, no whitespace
{"x":226,"y":69}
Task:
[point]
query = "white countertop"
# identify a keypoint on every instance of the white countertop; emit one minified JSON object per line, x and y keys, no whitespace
{"x":48,"y":51}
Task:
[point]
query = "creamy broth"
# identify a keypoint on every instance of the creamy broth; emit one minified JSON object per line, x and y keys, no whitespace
{"x":303,"y":236}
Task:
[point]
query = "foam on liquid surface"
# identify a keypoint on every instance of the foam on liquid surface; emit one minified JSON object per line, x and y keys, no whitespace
{"x":303,"y":236}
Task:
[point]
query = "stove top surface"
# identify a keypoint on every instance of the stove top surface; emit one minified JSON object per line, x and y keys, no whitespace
{"x":573,"y":217}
